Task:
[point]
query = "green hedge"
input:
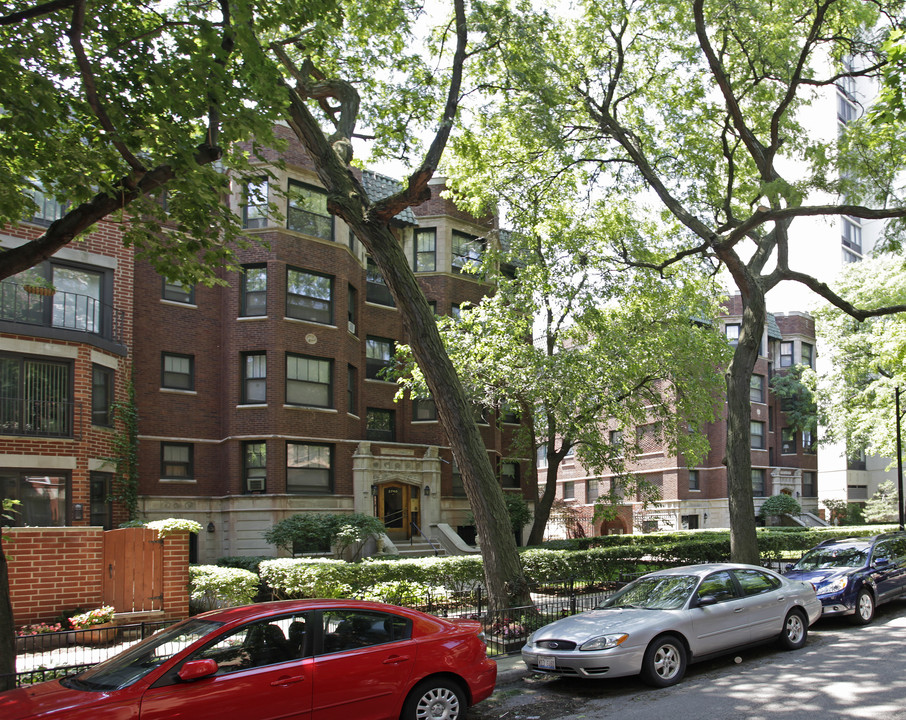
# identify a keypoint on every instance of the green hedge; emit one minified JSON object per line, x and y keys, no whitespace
{"x":586,"y":561}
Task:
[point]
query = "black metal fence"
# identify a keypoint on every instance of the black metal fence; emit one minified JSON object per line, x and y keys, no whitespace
{"x":47,"y":656}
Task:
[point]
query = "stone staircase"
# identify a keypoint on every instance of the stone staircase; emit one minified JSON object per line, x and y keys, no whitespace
{"x":419,"y":547}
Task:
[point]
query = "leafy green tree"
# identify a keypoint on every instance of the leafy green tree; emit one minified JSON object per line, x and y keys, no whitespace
{"x":692,"y":117}
{"x":108,"y":102}
{"x":797,"y":390}
{"x":781,"y":504}
{"x":858,"y":391}
{"x":882,"y":506}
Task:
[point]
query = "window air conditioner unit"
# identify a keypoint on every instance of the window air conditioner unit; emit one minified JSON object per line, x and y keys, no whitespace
{"x":255,"y":484}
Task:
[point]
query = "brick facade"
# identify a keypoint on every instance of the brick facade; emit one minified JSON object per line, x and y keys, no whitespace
{"x":57,"y":571}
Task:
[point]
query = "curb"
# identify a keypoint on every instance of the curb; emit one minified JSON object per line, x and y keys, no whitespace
{"x":510,"y":669}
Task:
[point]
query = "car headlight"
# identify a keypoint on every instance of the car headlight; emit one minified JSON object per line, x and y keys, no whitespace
{"x":604,"y":642}
{"x":834,"y":586}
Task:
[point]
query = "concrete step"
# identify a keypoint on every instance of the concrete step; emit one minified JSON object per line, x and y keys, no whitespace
{"x":418,"y":549}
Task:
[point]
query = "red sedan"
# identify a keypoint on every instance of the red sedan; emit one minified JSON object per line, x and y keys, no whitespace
{"x":312,"y":659}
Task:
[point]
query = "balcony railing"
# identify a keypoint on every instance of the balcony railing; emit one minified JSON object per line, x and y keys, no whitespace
{"x":38,"y":418}
{"x":66,"y":310}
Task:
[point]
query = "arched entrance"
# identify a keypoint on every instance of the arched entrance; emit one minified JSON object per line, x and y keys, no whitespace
{"x":398,"y":508}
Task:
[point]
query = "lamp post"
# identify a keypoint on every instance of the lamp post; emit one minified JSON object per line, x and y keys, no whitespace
{"x":900,"y":508}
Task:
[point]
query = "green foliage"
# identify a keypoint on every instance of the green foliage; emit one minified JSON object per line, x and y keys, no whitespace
{"x":518,"y":510}
{"x":882,"y":506}
{"x":211,"y":586}
{"x":243,"y":562}
{"x":407,"y":593}
{"x":796,"y":389}
{"x":781,"y":504}
{"x":316,"y":532}
{"x":866,"y":359}
{"x":125,"y":451}
{"x":171,"y":526}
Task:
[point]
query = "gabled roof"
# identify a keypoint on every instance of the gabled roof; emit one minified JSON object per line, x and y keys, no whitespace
{"x":379,"y":187}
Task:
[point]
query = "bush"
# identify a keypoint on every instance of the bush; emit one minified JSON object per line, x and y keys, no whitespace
{"x":781,"y":504}
{"x":211,"y":586}
{"x":316,"y":532}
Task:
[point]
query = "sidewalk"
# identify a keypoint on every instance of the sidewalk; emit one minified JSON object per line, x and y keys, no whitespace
{"x":510,"y":669}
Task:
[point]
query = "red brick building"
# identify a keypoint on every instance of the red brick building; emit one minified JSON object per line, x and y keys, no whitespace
{"x":64,"y":360}
{"x":696,"y":497}
{"x":264,"y":397}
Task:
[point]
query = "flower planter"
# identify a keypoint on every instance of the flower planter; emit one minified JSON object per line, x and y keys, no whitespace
{"x":97,"y":635}
{"x":39,"y":290}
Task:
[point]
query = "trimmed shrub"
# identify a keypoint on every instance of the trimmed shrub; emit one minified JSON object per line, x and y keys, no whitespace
{"x":212,"y":586}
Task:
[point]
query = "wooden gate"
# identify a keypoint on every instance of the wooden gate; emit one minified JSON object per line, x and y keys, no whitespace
{"x":133,"y":570}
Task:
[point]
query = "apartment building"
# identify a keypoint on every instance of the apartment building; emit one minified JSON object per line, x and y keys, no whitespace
{"x":784,"y":460}
{"x":66,"y":338}
{"x":266,"y":396}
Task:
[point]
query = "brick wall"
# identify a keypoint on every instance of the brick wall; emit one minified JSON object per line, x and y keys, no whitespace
{"x":53,"y":571}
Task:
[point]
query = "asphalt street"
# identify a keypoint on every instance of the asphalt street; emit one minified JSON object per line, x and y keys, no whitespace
{"x":843,"y":672}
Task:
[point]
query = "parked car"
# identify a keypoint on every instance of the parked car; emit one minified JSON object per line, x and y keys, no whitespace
{"x":657,"y":624}
{"x":852,"y":576}
{"x":330,"y":659}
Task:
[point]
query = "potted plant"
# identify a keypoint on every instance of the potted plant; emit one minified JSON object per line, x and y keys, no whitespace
{"x":36,"y":284}
{"x":38,"y":637}
{"x":97,"y":623}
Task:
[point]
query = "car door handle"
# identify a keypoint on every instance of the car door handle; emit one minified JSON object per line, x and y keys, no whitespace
{"x":286,"y":680}
{"x":738,"y":610}
{"x":396,"y":659}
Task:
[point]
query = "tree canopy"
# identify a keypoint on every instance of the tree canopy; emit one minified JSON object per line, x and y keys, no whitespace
{"x":695,"y":118}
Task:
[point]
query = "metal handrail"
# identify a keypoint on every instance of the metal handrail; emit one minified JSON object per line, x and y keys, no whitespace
{"x":418,"y":530}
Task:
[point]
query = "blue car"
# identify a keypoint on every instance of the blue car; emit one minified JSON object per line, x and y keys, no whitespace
{"x":852,"y":576}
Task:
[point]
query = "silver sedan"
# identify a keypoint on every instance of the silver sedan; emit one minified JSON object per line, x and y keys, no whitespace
{"x":657,"y":624}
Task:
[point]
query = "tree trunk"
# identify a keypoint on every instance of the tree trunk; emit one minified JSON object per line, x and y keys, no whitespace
{"x":743,"y":538}
{"x":347,"y":199}
{"x":546,"y":500}
{"x":7,"y":628}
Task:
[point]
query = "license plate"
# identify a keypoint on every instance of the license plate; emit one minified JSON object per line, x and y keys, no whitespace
{"x":547,"y":663}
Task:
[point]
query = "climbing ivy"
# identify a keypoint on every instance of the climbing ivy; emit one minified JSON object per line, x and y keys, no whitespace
{"x":125,"y":452}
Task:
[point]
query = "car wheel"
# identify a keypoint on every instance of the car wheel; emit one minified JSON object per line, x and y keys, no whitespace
{"x":435,"y":699}
{"x":865,"y":608}
{"x":795,"y":630}
{"x":665,"y":661}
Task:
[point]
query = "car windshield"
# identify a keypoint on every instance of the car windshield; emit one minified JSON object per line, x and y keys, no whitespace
{"x":834,"y":557}
{"x":661,"y":592}
{"x":133,"y":664}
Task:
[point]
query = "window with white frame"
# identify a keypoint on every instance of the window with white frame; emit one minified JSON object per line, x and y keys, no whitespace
{"x":852,"y":234}
{"x":309,"y":296}
{"x":309,"y":381}
{"x":309,"y":468}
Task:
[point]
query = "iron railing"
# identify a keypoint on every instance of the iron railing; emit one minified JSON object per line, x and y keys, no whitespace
{"x":38,"y":418}
{"x":48,"y":656}
{"x":66,"y":310}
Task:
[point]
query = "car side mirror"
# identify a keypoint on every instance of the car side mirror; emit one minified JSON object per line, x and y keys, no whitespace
{"x":789,"y":566}
{"x":705,"y":600}
{"x":197,"y":669}
{"x":881,"y":562}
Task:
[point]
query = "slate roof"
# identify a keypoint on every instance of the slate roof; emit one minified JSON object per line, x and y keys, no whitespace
{"x":773,"y":328}
{"x":380,"y":186}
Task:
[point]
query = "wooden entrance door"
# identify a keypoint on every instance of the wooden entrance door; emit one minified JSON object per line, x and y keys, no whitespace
{"x":393,"y":509}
